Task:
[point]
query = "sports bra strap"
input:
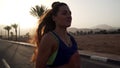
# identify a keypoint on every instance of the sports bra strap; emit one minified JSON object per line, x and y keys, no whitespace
{"x":53,"y":56}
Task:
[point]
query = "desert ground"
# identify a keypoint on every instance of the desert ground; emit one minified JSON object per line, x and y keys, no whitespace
{"x":103,"y":43}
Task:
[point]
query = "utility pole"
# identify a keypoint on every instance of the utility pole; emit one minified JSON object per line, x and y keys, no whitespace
{"x":19,"y":31}
{"x":1,"y":34}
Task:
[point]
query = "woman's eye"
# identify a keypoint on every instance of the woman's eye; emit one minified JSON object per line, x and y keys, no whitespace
{"x":64,"y":13}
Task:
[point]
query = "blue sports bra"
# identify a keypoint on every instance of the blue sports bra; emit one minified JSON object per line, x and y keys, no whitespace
{"x":63,"y":53}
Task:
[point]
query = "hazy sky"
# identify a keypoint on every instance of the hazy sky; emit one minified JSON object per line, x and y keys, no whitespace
{"x":85,"y":13}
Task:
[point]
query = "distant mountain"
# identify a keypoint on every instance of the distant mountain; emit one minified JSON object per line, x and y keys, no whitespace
{"x":94,"y":29}
{"x":78,"y":29}
{"x":103,"y":26}
{"x":72,"y":29}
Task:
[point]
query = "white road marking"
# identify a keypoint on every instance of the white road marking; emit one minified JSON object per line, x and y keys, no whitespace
{"x":5,"y":63}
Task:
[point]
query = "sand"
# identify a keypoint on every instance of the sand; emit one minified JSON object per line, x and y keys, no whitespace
{"x":103,"y":43}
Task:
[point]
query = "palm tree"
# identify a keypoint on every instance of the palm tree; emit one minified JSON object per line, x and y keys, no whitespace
{"x":8,"y":28}
{"x":38,"y":11}
{"x":11,"y":35}
{"x":15,"y":26}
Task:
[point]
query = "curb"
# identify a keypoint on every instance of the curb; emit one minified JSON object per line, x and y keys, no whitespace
{"x":22,"y":43}
{"x":100,"y":58}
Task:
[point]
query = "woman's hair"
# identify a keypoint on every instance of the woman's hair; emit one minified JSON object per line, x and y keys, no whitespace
{"x":45,"y":25}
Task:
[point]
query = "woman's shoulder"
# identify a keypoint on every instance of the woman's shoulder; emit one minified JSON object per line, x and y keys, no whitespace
{"x":48,"y":37}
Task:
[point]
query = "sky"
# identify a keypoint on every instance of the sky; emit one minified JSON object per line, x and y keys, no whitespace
{"x":85,"y":13}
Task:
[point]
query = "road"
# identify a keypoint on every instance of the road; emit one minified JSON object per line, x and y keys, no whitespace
{"x":18,"y":56}
{"x":89,"y":63}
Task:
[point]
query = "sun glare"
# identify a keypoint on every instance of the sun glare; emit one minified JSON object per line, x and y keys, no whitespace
{"x":19,"y":12}
{"x":28,"y":23}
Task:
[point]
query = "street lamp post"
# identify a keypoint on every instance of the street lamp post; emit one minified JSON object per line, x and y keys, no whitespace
{"x":19,"y":31}
{"x":1,"y":34}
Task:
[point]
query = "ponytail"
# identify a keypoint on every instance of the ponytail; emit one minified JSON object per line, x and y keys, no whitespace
{"x":46,"y":24}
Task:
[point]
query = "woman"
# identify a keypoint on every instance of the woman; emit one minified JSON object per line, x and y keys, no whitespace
{"x":56,"y":48}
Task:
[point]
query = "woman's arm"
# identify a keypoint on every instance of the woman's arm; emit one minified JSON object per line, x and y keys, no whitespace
{"x":44,"y":51}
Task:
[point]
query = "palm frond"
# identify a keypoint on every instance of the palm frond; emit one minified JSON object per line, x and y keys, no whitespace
{"x":7,"y":28}
{"x":38,"y":11}
{"x":14,"y":26}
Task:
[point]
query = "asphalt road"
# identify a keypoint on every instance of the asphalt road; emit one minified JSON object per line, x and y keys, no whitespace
{"x":89,"y":63}
{"x":18,"y":56}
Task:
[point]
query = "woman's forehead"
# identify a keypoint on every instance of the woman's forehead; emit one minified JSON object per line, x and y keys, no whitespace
{"x":64,"y":8}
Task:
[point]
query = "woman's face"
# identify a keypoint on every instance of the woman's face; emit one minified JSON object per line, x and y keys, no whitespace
{"x":63,"y":17}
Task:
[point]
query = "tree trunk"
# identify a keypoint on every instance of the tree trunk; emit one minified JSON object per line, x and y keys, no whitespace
{"x":8,"y":34}
{"x":16,"y":33}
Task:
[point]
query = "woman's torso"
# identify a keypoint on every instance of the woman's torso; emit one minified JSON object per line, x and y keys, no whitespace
{"x":66,"y":57}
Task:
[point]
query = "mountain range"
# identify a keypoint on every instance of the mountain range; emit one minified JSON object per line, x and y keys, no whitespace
{"x":94,"y":28}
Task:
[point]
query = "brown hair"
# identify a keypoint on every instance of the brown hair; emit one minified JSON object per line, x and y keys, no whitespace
{"x":46,"y":24}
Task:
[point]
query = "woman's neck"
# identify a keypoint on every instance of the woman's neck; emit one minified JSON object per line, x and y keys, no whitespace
{"x":61,"y":31}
